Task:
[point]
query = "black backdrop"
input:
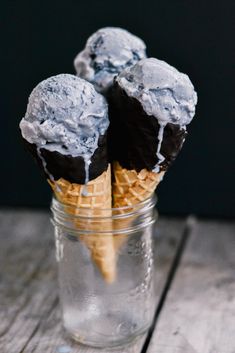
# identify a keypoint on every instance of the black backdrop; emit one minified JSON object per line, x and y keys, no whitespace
{"x":41,"y":39}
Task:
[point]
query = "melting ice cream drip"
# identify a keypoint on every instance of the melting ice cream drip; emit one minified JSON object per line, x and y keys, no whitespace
{"x":87,"y":162}
{"x":87,"y":165}
{"x":160,"y":138}
{"x":44,"y":164}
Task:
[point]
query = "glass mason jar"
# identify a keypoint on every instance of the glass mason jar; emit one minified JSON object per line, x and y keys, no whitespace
{"x":98,"y":310}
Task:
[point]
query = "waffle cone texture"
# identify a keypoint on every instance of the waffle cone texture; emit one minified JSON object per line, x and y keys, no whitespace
{"x":91,"y":200}
{"x":130,"y":187}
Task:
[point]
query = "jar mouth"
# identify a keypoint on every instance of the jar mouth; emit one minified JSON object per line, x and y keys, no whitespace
{"x":87,"y":221}
{"x":103,"y":213}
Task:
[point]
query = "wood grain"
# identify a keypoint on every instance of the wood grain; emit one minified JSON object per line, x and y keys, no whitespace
{"x":30,"y":318}
{"x":26,"y":273}
{"x":199,"y":313}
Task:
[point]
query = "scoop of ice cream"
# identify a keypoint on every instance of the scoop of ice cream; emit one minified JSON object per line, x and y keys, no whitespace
{"x":65,"y":114}
{"x":107,"y":52}
{"x":150,"y":105}
{"x":65,"y":122}
{"x":163,"y":91}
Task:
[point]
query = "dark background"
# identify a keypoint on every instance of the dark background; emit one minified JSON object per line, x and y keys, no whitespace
{"x":41,"y":39}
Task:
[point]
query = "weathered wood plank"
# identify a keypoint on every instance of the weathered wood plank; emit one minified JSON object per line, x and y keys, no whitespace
{"x":50,"y":336}
{"x":30,"y":315}
{"x":199,"y":313}
{"x":26,"y":240}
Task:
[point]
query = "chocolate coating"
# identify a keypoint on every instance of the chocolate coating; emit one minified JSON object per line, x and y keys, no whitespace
{"x":71,"y":168}
{"x":132,"y":136}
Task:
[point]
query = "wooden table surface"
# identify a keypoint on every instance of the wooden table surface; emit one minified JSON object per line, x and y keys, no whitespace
{"x":195,"y":278}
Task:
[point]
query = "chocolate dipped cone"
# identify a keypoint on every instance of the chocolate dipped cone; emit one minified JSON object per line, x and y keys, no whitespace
{"x":151,"y":103}
{"x":65,"y":129}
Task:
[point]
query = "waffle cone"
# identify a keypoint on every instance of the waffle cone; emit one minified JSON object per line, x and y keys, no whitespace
{"x":92,"y":199}
{"x":130,"y":187}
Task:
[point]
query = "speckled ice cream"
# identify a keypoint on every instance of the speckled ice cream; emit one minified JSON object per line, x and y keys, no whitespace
{"x":163,"y":91}
{"x":153,"y":102}
{"x":65,"y":114}
{"x":107,"y":52}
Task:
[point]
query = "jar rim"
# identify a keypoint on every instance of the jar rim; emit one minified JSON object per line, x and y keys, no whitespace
{"x":101,"y":222}
{"x":113,"y":212}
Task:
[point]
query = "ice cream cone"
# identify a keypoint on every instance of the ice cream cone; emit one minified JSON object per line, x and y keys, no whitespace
{"x":92,"y":199}
{"x":130,"y":187}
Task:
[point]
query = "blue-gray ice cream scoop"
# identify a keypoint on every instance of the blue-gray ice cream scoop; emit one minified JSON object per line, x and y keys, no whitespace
{"x":65,"y":128}
{"x":107,"y":52}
